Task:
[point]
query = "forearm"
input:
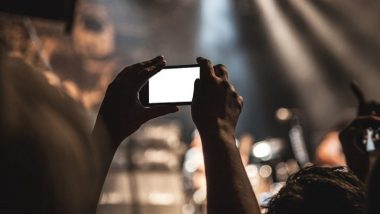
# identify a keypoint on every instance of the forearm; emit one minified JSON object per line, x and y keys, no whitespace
{"x":357,"y":161}
{"x":228,"y":186}
{"x":103,"y":151}
{"x":374,"y":188}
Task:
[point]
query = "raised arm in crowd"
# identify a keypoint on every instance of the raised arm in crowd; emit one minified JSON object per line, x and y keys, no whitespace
{"x":52,"y":163}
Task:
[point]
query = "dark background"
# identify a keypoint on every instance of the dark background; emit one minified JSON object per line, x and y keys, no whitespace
{"x":295,"y":54}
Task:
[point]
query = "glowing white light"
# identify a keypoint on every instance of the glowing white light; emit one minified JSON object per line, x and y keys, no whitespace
{"x":334,"y":40}
{"x":252,"y":171}
{"x":265,"y":171}
{"x":294,"y":54}
{"x":262,"y":150}
{"x":283,"y":114}
{"x":200,"y":195}
{"x":161,"y":198}
{"x":216,"y":27}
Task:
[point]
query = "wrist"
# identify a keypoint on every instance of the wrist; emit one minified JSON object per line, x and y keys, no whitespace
{"x":220,"y":131}
{"x":103,"y":132}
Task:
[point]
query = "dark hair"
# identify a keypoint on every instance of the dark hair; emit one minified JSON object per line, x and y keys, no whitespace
{"x":320,"y":190}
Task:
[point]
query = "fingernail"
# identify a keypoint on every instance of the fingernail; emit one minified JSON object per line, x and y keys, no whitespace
{"x":162,"y":63}
{"x":159,"y":58}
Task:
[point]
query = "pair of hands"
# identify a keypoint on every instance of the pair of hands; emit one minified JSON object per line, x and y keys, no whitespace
{"x":215,"y":100}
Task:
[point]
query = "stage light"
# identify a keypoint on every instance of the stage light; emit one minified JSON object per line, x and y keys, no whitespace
{"x":333,"y":39}
{"x":265,"y":171}
{"x":262,"y":150}
{"x":217,"y":29}
{"x":252,"y":171}
{"x":161,"y":198}
{"x":268,"y":149}
{"x":283,"y":114}
{"x":294,"y":54}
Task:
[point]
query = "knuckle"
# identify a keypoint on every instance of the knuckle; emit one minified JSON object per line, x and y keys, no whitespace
{"x":225,"y":84}
{"x":144,"y":71}
{"x":207,"y":62}
{"x":222,"y":67}
{"x":232,"y":88}
{"x":241,"y":100}
{"x":235,"y":95}
{"x":219,"y":66}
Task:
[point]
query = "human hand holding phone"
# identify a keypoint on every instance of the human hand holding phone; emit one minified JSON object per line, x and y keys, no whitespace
{"x":361,"y":137}
{"x":121,"y":111}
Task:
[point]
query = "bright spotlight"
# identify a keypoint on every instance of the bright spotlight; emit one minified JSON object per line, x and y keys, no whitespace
{"x":283,"y":114}
{"x":262,"y":150}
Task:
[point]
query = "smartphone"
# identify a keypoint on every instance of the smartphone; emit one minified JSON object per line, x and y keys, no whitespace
{"x":371,"y":139}
{"x":172,"y":85}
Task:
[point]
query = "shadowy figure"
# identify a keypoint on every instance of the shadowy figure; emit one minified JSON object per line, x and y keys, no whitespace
{"x":352,"y":137}
{"x":50,"y":161}
{"x":362,"y":155}
{"x":317,"y":190}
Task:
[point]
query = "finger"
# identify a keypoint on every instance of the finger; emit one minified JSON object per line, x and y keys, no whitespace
{"x":241,"y":101}
{"x":358,"y":93}
{"x":158,"y":111}
{"x":197,"y":85}
{"x":221,"y":71}
{"x":207,"y":70}
{"x":148,"y":72}
{"x":364,"y":122}
{"x":148,"y":63}
{"x":136,"y":68}
{"x":232,"y":88}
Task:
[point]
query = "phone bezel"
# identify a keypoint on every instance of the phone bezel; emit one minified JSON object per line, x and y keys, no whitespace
{"x":144,"y":92}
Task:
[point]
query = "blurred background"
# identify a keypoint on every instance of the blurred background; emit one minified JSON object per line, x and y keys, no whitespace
{"x":292,"y":61}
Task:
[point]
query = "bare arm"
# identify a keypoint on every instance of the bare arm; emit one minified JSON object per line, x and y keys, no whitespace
{"x":121,"y":114}
{"x":215,"y":110}
{"x":374,"y":188}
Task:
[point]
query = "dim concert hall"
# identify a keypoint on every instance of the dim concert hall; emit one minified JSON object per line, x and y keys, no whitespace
{"x":190,"y":107}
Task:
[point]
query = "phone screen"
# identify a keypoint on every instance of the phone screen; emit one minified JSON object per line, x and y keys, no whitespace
{"x":371,"y":139}
{"x":172,"y":85}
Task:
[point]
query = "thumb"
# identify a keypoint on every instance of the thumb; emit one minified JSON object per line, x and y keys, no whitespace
{"x":158,"y":111}
{"x":197,"y":85}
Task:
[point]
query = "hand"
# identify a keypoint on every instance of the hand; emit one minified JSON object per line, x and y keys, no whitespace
{"x":215,"y":102}
{"x":351,"y":137}
{"x":121,"y":111}
{"x":215,"y":110}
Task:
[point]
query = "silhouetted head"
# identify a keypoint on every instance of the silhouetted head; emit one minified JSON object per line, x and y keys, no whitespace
{"x":324,"y":190}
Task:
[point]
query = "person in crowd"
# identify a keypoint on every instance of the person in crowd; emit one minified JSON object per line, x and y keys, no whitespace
{"x":361,"y":158}
{"x":352,"y":137}
{"x":329,"y":152}
{"x":50,"y":161}
{"x":311,"y":190}
{"x":320,"y":190}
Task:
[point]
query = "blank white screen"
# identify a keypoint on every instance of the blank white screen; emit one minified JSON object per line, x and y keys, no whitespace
{"x":173,"y":85}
